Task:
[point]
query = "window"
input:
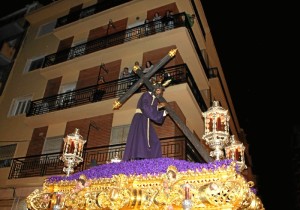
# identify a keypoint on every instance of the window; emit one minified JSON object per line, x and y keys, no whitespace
{"x":53,"y":145}
{"x":33,"y":64}
{"x":46,"y":28}
{"x":119,"y":134}
{"x":87,"y":12}
{"x":67,"y":87}
{"x":67,"y":97}
{"x":20,"y":106}
{"x":6,"y":154}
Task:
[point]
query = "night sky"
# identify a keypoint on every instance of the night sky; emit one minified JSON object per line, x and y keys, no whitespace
{"x":252,"y":42}
{"x":11,"y":6}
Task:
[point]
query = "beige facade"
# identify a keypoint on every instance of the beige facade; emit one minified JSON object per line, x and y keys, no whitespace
{"x":30,"y":133}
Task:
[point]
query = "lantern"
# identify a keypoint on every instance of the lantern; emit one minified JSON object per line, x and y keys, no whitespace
{"x":235,"y":151}
{"x":73,"y":151}
{"x":216,"y":132}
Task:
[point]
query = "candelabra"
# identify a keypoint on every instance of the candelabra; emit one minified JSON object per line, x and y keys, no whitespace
{"x":73,"y":151}
{"x":187,"y":202}
{"x":216,"y":132}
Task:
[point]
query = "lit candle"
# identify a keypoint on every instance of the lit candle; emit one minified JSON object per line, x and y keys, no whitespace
{"x":187,"y":193}
{"x":218,"y":124}
{"x":210,"y":124}
{"x":72,"y":146}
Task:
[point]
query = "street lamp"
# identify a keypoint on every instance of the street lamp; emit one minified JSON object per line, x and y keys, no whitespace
{"x":73,"y":150}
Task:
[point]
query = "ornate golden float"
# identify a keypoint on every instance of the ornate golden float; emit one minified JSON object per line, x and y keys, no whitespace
{"x":161,"y":183}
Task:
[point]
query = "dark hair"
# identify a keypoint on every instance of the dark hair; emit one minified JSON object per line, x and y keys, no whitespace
{"x":82,"y":181}
{"x":158,"y":86}
{"x":173,"y":174}
{"x":149,"y":63}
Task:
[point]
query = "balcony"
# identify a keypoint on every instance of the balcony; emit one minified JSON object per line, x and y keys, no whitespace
{"x":138,"y":32}
{"x":86,"y":12}
{"x":177,"y":147}
{"x":109,"y":90}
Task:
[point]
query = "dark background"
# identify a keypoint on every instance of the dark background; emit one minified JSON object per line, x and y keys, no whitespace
{"x":10,"y":6}
{"x":255,"y":46}
{"x":254,"y":43}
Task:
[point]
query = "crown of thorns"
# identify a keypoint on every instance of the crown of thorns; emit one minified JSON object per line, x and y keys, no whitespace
{"x":159,"y":83}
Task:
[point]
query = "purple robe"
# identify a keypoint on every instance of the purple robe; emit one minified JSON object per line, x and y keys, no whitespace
{"x":138,"y":146}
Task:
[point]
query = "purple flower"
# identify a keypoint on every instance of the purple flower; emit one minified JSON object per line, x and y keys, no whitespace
{"x":254,"y":190}
{"x":144,"y":167}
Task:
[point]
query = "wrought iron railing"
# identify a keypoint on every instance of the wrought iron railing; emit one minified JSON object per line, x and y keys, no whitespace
{"x":151,"y":28}
{"x":196,"y":92}
{"x":88,"y":11}
{"x":177,"y":147}
{"x":108,"y":90}
{"x":138,"y":32}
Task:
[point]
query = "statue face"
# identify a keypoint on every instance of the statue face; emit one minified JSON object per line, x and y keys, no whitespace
{"x":158,"y":92}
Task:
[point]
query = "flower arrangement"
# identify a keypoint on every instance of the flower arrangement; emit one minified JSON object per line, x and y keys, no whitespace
{"x":155,"y":166}
{"x":171,"y":183}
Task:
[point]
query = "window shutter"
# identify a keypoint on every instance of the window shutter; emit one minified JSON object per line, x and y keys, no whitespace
{"x":53,"y":145}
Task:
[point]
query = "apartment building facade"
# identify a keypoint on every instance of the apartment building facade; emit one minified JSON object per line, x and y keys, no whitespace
{"x":67,"y":75}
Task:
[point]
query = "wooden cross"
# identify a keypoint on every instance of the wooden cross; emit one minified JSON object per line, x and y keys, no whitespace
{"x":144,"y":79}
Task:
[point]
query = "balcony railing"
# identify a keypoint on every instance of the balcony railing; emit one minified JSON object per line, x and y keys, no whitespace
{"x":177,"y":147}
{"x":108,"y":90}
{"x":138,"y":32}
{"x":88,"y":11}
